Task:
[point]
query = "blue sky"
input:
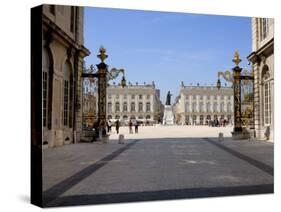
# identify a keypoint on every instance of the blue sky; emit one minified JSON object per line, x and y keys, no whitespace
{"x":166,"y":47}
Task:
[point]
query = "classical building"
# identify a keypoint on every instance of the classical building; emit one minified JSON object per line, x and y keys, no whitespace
{"x":262,"y":59}
{"x":138,"y":102}
{"x":63,"y":54}
{"x":196,"y":105}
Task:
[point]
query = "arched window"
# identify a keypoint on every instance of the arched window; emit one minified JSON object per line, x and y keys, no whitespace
{"x":140,"y":107}
{"x":125,"y":107}
{"x":140,"y":117}
{"x":109,"y":107}
{"x":125,"y":117}
{"x":117,"y":107}
{"x":148,"y":117}
{"x":117,"y":117}
{"x":109,"y":117}
{"x":67,"y":101}
{"x":266,"y":95}
{"x":133,"y":107}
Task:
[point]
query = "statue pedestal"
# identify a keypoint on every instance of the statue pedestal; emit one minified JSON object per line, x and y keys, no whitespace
{"x":168,"y":118}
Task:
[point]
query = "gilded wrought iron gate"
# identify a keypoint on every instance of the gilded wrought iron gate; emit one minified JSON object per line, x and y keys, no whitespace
{"x":247,"y":101}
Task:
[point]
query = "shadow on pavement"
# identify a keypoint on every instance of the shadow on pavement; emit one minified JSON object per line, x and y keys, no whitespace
{"x":161,"y":195}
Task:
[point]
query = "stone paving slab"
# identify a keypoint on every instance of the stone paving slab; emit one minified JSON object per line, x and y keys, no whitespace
{"x":153,"y":169}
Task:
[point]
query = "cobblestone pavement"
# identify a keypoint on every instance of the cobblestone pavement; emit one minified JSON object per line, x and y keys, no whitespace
{"x":155,"y":169}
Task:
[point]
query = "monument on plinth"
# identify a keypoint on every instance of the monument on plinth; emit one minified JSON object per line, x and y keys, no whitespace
{"x":168,"y":118}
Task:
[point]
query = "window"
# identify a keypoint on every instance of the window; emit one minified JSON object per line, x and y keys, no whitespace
{"x":133,"y":96}
{"x":140,"y":107}
{"x":215,"y":97}
{"x":125,"y":117}
{"x":133,"y":107}
{"x":187,"y":119}
{"x":46,"y":70}
{"x":109,"y":117}
{"x":194,"y":119}
{"x":264,"y":28}
{"x":222,"y":107}
{"x":72,"y":19}
{"x":208,"y":97}
{"x":140,"y":96}
{"x":194,"y":96}
{"x":148,"y":117}
{"x":186,"y":107}
{"x":266,"y":95}
{"x":125,"y":107}
{"x":201,"y":107}
{"x":215,"y":107}
{"x":109,"y":107}
{"x":229,"y":107}
{"x":67,"y":109}
{"x":194,"y":107}
{"x":109,"y":96}
{"x":201,"y":119}
{"x":45,"y":87}
{"x":148,"y":107}
{"x":117,"y":117}
{"x":201,"y":97}
{"x":125,"y":96}
{"x":117,"y":96}
{"x":147,"y":96}
{"x":208,"y":107}
{"x":117,"y":107}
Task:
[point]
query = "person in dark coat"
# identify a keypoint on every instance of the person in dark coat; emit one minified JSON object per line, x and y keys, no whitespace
{"x":130,"y":127}
{"x":136,"y":127}
{"x":117,"y":126}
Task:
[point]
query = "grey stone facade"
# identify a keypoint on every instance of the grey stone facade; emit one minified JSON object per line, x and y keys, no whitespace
{"x":196,"y":105}
{"x":63,"y":54}
{"x":262,"y":59}
{"x":140,"y":102}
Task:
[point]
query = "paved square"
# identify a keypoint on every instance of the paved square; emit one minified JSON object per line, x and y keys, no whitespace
{"x":158,"y":163}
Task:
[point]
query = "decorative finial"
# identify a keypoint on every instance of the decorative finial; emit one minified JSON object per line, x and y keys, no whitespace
{"x":102,"y":54}
{"x":236,"y":58}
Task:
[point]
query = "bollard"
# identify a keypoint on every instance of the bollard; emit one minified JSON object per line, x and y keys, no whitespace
{"x":121,"y":139}
{"x":220,"y":137}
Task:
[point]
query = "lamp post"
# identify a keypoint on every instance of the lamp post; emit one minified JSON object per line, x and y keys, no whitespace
{"x":103,"y":76}
{"x":235,"y":78}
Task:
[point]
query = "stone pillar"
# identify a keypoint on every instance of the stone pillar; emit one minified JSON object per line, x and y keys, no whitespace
{"x":257,"y":100}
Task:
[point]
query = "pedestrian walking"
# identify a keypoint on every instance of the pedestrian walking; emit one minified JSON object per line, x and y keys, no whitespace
{"x":130,"y":127}
{"x":117,"y":126}
{"x":136,"y":127}
{"x":109,"y":125}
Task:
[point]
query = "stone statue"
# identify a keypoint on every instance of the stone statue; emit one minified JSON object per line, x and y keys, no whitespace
{"x":168,"y":99}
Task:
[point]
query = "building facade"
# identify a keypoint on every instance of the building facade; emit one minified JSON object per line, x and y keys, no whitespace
{"x":63,"y":54}
{"x":136,"y":102}
{"x":197,"y":105}
{"x":262,"y":59}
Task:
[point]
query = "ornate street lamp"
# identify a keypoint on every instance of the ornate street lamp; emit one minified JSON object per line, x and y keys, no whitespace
{"x":235,"y":78}
{"x":103,"y":76}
